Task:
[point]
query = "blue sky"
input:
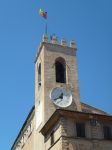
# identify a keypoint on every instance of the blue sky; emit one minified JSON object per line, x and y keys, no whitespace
{"x":88,"y":22}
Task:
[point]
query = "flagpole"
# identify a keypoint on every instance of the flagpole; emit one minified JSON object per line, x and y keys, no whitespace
{"x":46,"y":28}
{"x":46,"y":23}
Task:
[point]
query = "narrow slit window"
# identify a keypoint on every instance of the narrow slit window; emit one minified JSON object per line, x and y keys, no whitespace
{"x":39,"y":75}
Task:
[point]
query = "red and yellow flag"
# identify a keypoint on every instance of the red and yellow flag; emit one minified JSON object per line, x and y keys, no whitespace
{"x":43,"y":14}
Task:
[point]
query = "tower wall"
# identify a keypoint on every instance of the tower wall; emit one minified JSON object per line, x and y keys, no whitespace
{"x":44,"y":106}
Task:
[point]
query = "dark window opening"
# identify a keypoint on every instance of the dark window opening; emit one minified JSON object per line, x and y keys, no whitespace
{"x":60,"y":70}
{"x":39,"y":75}
{"x":107,"y":132}
{"x":52,"y":138}
{"x":80,"y":128}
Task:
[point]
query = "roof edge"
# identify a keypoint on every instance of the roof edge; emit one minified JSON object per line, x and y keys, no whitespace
{"x":24,"y":124}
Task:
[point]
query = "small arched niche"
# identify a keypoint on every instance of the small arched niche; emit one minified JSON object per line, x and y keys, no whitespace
{"x":60,"y":69}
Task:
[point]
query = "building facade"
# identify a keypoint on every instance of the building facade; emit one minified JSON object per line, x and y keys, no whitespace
{"x":58,"y":120}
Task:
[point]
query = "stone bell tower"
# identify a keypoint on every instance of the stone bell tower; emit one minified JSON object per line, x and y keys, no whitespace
{"x":59,"y":121}
{"x":55,"y":67}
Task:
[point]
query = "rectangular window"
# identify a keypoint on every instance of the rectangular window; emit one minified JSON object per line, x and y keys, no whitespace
{"x":107,"y":132}
{"x":52,"y":138}
{"x":80,"y":128}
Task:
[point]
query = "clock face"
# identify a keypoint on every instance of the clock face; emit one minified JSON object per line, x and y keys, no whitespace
{"x":61,"y":97}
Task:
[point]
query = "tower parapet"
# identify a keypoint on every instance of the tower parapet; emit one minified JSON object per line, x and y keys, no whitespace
{"x":54,"y":40}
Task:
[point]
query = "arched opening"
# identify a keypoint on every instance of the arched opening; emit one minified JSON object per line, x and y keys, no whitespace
{"x":39,"y":74}
{"x":60,"y":68}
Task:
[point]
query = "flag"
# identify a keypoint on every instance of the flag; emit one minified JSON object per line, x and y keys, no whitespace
{"x":43,"y":14}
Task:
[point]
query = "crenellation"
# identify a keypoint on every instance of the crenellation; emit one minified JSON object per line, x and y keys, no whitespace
{"x":54,"y":40}
{"x":45,"y":38}
{"x":72,"y":44}
{"x":63,"y":42}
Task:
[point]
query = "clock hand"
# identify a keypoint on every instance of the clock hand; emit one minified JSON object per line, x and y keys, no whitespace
{"x":56,"y":98}
{"x":61,"y":96}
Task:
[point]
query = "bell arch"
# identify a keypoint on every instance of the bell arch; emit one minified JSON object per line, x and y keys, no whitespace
{"x":60,"y":70}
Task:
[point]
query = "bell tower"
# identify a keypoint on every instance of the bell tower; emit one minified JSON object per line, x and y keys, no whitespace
{"x":56,"y":79}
